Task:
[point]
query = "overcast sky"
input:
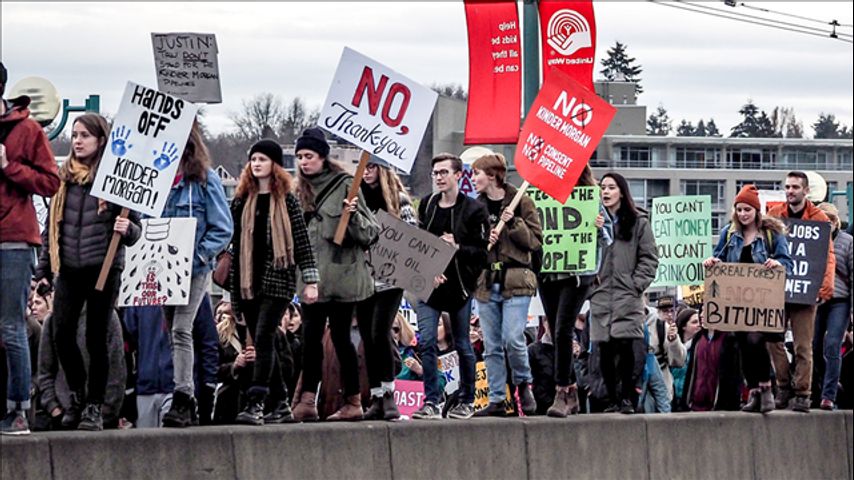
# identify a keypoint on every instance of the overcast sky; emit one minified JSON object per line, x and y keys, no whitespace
{"x":695,"y":65}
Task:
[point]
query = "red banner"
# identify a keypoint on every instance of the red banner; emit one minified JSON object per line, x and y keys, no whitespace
{"x":561,"y":132}
{"x":568,"y":32}
{"x":495,"y":72}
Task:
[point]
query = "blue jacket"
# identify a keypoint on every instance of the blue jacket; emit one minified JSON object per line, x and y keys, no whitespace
{"x":214,"y":226}
{"x":729,"y":249}
{"x":149,"y":330}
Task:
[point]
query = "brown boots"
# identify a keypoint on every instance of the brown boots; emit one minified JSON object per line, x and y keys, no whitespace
{"x":305,"y":409}
{"x":565,"y":402}
{"x":351,"y":411}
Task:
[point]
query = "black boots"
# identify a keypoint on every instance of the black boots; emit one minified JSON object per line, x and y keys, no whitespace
{"x":494,"y":409}
{"x":526,"y":398}
{"x":71,"y":417}
{"x":91,"y":419}
{"x":182,"y":411}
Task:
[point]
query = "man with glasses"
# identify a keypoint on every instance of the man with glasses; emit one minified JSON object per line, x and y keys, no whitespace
{"x":669,"y":351}
{"x":463,"y":223}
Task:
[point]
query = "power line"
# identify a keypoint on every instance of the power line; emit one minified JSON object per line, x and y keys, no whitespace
{"x":728,"y":17}
{"x":768,"y":10}
{"x":763,"y":19}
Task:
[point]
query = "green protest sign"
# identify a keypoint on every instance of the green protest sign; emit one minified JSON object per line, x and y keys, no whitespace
{"x":569,"y":230}
{"x":682,"y":227}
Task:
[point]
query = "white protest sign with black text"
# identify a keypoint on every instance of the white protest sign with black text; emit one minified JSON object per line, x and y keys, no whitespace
{"x":145,"y":146}
{"x":187,"y":67}
{"x":808,"y":246}
{"x":377,"y":109}
{"x":158,"y":267}
{"x":408,"y":257}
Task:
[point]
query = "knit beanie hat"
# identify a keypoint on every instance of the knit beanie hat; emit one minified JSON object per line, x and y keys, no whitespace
{"x":314,"y":140}
{"x":749,"y":195}
{"x":269,"y":148}
{"x":684,"y":316}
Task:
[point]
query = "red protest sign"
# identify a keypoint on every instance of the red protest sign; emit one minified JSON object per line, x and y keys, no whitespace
{"x":560,"y":134}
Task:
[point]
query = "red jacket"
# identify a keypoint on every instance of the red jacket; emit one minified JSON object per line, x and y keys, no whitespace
{"x":31,"y":169}
{"x":811,"y":212}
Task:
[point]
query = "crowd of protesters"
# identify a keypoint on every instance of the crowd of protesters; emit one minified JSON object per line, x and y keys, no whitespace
{"x":306,"y":334}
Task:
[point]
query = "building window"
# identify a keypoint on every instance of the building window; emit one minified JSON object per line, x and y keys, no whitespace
{"x":697,"y":157}
{"x":633,"y":157}
{"x":712,"y":188}
{"x":805,"y":160}
{"x":719,"y":219}
{"x":752,"y":159}
{"x":760,"y":184}
{"x":844,"y":160}
{"x":643,"y":191}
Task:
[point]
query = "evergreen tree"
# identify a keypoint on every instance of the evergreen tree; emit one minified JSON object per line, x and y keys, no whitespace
{"x":618,"y":65}
{"x":685,"y":129}
{"x":827,"y":126}
{"x":712,"y":129}
{"x":766,"y":127}
{"x":700,"y":131}
{"x":658,"y":124}
{"x":755,"y":123}
{"x":845,"y":132}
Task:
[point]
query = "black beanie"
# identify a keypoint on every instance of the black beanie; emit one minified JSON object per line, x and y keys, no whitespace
{"x":270,"y":148}
{"x":314,"y":140}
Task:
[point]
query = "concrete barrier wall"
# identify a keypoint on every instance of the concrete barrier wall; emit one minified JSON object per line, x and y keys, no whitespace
{"x":781,"y":445}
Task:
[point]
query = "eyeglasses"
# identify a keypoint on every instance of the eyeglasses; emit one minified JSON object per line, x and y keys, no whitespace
{"x":440,"y":173}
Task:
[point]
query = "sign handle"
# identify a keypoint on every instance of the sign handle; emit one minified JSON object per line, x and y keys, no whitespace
{"x":512,"y":206}
{"x":111,"y":254}
{"x":354,"y":190}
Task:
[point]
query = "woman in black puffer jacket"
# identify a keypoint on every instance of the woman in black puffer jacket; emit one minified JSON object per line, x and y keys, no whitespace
{"x":78,"y":233}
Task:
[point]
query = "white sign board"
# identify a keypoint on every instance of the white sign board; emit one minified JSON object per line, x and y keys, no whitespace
{"x":377,"y":109}
{"x":159,"y":266}
{"x":187,"y":67}
{"x":145,"y":146}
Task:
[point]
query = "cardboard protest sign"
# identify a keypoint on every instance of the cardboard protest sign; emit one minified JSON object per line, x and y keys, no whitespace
{"x":377,"y":109}
{"x":187,"y":66}
{"x":408,"y":257}
{"x":409,"y":396}
{"x":560,"y":134}
{"x":159,"y":266}
{"x":682,"y":227}
{"x":481,"y":390}
{"x":809,"y":246}
{"x":692,"y":295}
{"x":569,"y":230}
{"x":449,"y":367}
{"x":745,"y":297}
{"x":145,"y":146}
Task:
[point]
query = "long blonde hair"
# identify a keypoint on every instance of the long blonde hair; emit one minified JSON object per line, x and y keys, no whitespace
{"x":392,"y":188}
{"x":406,"y":332}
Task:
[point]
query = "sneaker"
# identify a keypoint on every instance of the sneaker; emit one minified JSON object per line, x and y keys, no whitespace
{"x":626,"y":407}
{"x":461,"y":411}
{"x":253,"y":414}
{"x":281,"y":414}
{"x":494,"y":409}
{"x":827,"y":405}
{"x":91,"y":419}
{"x":801,"y":404}
{"x":180,"y":414}
{"x":15,"y":423}
{"x":612,"y":408}
{"x":427,"y":412}
{"x":784,"y":396}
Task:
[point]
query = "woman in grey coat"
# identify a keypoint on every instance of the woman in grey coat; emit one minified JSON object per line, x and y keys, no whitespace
{"x":616,"y":306}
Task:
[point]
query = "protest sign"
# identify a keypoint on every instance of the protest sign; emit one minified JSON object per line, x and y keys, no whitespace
{"x":159,"y":266}
{"x":408,"y":257}
{"x":692,"y":295}
{"x":809,"y":243}
{"x":377,"y":109}
{"x":744,"y":297}
{"x":682,"y":227}
{"x":481,"y":390}
{"x":569,"y":230}
{"x":145,"y":146}
{"x":561,"y":132}
{"x":495,"y":72}
{"x":409,"y":396}
{"x":187,"y":66}
{"x":466,"y":182}
{"x":449,"y":367}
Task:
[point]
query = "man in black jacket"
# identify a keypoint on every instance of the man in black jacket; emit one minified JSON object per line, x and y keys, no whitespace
{"x":463,"y":223}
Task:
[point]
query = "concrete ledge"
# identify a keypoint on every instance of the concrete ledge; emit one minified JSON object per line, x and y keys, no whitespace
{"x":644,"y":447}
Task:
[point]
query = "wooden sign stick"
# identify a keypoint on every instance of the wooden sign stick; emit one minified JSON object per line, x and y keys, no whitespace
{"x":354,"y":190}
{"x":111,"y":254}
{"x":512,"y":206}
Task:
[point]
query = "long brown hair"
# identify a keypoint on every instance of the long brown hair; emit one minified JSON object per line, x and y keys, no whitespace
{"x":586,"y":179}
{"x":196,"y":159}
{"x":762,"y":223}
{"x":305,"y":193}
{"x":281,"y":182}
{"x":392,"y":189}
{"x":97,"y":126}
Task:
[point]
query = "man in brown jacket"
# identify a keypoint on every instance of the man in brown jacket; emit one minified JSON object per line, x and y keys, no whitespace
{"x":27,"y":166}
{"x":801,"y":317}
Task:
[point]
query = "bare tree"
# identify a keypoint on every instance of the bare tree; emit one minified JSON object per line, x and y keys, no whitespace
{"x":297,"y":118}
{"x":261,"y":117}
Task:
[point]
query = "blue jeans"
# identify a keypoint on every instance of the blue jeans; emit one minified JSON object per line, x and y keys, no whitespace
{"x":503,"y":322}
{"x":830,"y":323}
{"x":654,"y":396}
{"x":428,"y":326}
{"x":17,"y":271}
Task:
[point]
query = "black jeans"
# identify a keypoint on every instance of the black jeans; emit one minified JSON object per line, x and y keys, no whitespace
{"x":562,"y":301}
{"x":375,"y":316}
{"x":340,"y":316}
{"x":74,"y":288}
{"x":263,"y":315}
{"x":624,"y":357}
{"x":755,"y":360}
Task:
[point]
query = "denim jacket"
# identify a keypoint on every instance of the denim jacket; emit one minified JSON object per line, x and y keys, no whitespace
{"x":730,"y":251}
{"x":214,"y":226}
